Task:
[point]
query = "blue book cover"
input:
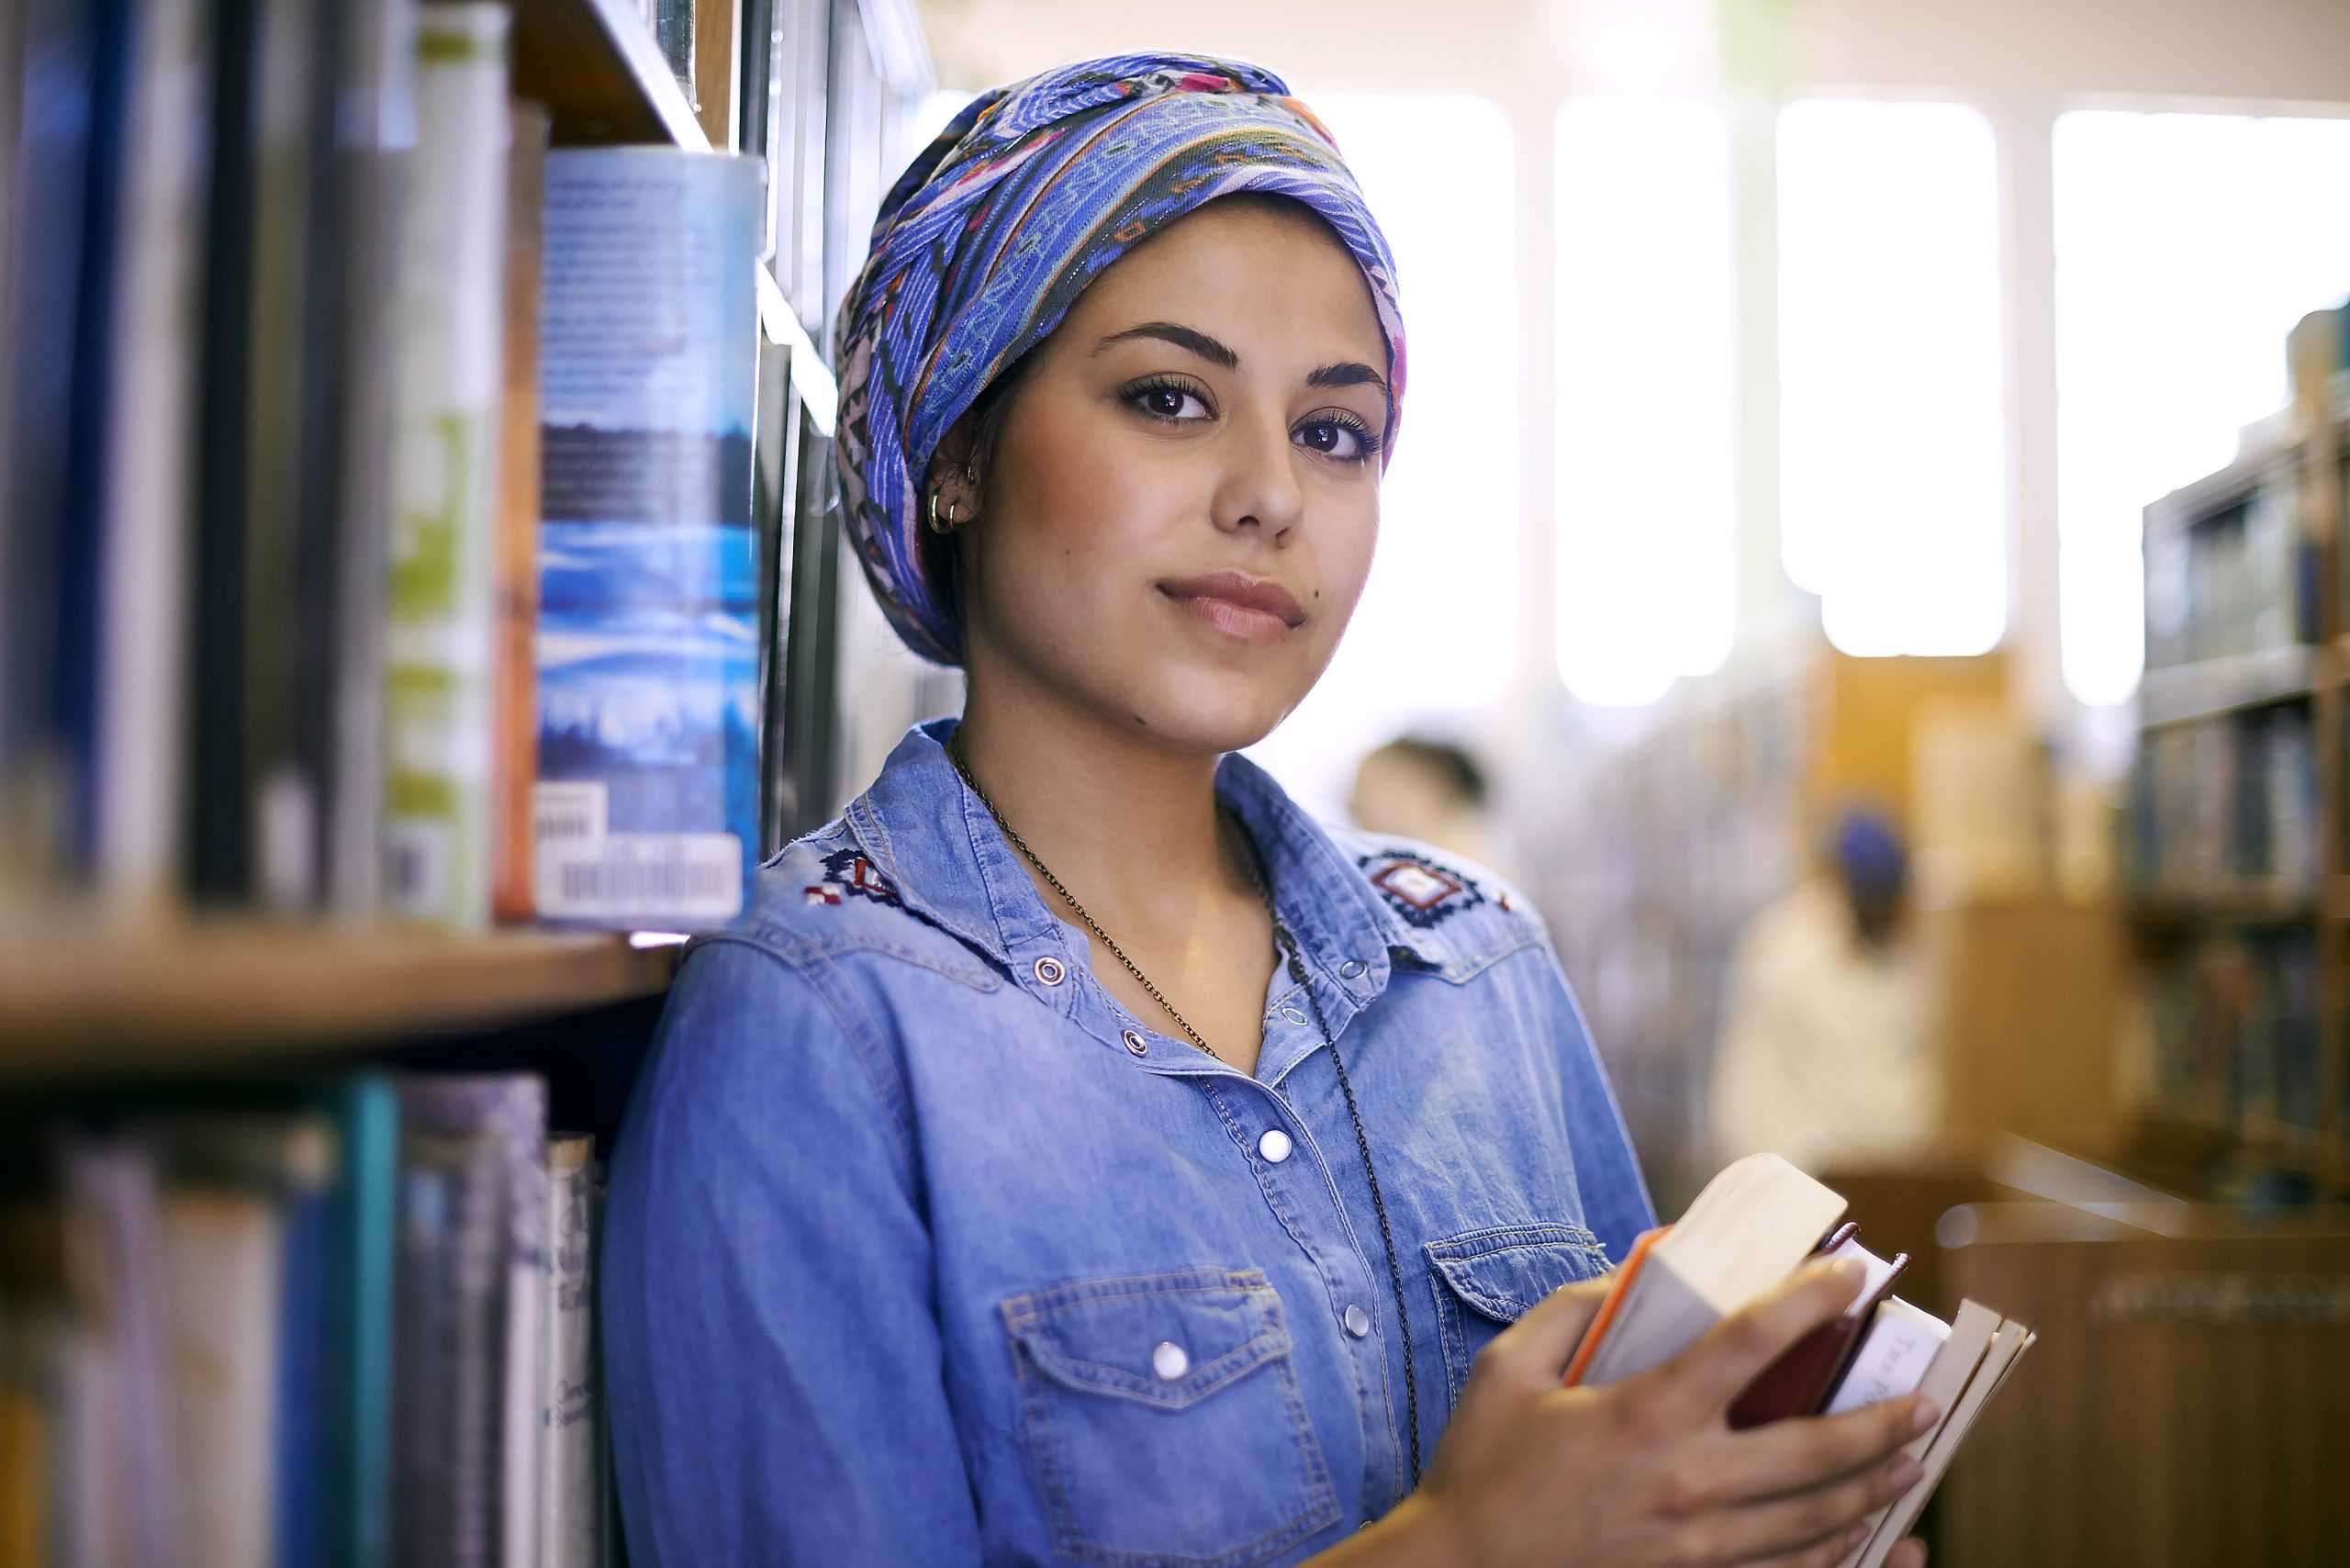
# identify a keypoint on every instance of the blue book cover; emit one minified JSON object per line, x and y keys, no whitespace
{"x":304,"y":1419}
{"x":646,"y":804}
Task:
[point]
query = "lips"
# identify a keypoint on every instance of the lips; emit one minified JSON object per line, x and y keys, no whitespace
{"x":1257,"y":595}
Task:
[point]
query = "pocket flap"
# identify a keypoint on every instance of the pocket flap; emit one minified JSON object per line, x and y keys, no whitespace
{"x":1103,"y":1336}
{"x":1504,"y":1271}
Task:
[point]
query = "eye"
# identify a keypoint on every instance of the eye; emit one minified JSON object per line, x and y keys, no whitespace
{"x":1172,"y":402}
{"x":1341,"y":436}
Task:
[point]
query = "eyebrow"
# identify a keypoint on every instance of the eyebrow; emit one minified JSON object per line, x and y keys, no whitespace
{"x":1199,"y":343}
{"x":1347,"y":373}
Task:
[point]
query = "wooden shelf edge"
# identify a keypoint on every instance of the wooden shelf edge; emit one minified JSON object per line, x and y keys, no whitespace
{"x":2180,"y":694}
{"x":2249,"y":901}
{"x":594,"y":65}
{"x":90,"y":999}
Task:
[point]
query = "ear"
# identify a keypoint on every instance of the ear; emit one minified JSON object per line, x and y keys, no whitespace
{"x":954,"y":473}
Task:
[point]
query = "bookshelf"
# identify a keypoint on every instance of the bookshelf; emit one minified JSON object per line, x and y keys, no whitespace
{"x":192,"y":1011}
{"x":2238,"y":893}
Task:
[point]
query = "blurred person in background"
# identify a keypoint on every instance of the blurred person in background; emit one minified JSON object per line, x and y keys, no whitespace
{"x":1826,"y":1053}
{"x":1057,"y":1162}
{"x":1426,"y":789}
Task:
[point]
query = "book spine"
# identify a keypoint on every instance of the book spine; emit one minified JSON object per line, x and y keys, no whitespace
{"x":282,"y":794}
{"x":510,"y":1111}
{"x":369,"y":1243}
{"x":141,"y":702}
{"x":376,"y":122}
{"x":569,"y":1507}
{"x":515,"y":762}
{"x":647,"y":800}
{"x":223,"y":1263}
{"x":304,"y":1415}
{"x":442,"y":625}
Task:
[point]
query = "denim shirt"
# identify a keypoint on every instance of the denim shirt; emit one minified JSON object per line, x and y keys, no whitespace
{"x":921,"y":1249}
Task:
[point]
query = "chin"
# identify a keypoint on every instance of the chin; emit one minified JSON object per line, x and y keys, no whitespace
{"x":1218,"y":711}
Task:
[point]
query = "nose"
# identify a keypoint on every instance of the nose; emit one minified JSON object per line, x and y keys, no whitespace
{"x":1258,"y":487}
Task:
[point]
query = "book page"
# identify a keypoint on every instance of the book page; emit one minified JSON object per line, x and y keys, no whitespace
{"x":2006,"y":1348}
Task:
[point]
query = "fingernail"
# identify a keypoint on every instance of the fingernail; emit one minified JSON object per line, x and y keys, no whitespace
{"x":1905,"y":1472}
{"x":1852,"y":1270}
{"x":1924,"y":1415}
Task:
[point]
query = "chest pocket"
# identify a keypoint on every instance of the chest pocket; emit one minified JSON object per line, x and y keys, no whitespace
{"x":1164,"y":1422}
{"x":1487,"y":1280}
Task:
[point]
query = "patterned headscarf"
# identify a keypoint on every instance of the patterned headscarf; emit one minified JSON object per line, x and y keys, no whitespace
{"x":990,"y":235}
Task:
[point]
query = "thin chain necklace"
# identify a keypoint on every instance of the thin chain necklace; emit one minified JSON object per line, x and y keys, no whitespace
{"x":1287,"y":944}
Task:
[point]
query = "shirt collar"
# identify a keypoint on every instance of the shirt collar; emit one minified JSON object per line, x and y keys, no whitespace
{"x":941,"y":848}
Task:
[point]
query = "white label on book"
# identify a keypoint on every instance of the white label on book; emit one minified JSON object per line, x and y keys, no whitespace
{"x":1893,"y":1359}
{"x":570,"y":812}
{"x":695,"y":876}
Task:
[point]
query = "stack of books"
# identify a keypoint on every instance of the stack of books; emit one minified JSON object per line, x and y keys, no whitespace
{"x":1753,"y":1225}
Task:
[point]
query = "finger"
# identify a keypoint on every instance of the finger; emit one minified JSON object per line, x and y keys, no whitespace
{"x":1791,"y":1456}
{"x":1710,"y":1373}
{"x":1826,"y":1516}
{"x":1540,"y":1344}
{"x":1909,"y":1554}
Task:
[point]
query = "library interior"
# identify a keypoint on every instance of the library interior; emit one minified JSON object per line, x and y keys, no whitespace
{"x":1864,"y":582}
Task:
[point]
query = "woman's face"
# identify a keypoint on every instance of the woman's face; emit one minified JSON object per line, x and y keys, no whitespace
{"x":1179,"y":508}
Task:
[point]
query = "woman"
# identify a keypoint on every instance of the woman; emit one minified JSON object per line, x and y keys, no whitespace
{"x":1077,"y":1154}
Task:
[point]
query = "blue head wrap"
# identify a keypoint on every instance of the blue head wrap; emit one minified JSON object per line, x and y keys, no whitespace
{"x":990,"y":235}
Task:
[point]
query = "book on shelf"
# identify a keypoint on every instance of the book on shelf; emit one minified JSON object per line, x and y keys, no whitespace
{"x":1751,"y":1225}
{"x":515,"y":745}
{"x":647,"y":799}
{"x":442,"y":642}
{"x":202,"y":1301}
{"x":571,"y":1476}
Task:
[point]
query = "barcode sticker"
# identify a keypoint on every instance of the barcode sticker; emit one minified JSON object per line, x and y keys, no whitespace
{"x":690,"y":876}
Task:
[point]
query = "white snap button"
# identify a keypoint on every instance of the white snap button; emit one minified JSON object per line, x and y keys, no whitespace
{"x":1352,"y":968}
{"x":1274,"y":1146}
{"x":1293,"y":1015}
{"x":1169,"y":1361}
{"x":1357,"y":1321}
{"x":1136,"y":1043}
{"x":1049,"y":970}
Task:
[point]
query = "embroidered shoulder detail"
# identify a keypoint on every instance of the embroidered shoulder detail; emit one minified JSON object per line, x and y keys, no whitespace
{"x":1424,"y":893}
{"x":846,"y":872}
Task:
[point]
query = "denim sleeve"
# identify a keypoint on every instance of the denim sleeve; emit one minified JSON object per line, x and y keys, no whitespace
{"x":1615,"y":1197}
{"x":771,"y":1357}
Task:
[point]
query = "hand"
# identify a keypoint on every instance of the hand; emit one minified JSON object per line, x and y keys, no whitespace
{"x":1646,"y":1473}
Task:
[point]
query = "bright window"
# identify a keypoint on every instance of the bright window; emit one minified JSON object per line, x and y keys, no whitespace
{"x":1647,"y":396}
{"x":2187,"y":247}
{"x":1437,"y":632}
{"x":1893,"y":477}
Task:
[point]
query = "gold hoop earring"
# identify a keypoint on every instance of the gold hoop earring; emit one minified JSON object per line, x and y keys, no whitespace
{"x":936,"y":525}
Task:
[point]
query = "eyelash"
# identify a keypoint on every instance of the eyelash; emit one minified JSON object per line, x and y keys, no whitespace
{"x":1364,"y":436}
